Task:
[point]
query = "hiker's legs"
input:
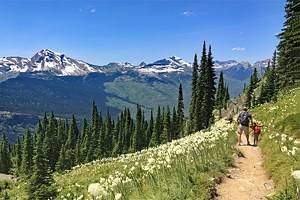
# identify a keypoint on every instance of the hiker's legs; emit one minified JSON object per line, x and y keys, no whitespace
{"x":239,"y":134}
{"x":239,"y":138}
{"x":246,"y":131}
{"x":255,"y":139}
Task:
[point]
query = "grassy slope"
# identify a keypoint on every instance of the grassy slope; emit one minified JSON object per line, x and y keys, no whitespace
{"x":280,"y":119}
{"x":194,"y":161}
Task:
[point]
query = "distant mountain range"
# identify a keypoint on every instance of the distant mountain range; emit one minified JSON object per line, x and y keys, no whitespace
{"x":51,"y":81}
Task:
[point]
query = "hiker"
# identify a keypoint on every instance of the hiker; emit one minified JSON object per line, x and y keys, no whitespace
{"x":243,"y":121}
{"x":256,"y":132}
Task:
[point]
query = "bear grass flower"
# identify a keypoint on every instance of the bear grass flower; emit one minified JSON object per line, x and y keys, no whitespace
{"x":118,"y":196}
{"x":296,"y":175}
{"x":97,"y":190}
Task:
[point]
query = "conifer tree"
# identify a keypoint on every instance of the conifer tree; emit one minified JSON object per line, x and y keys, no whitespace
{"x":288,"y":48}
{"x":108,"y":137}
{"x":175,"y":126}
{"x":86,"y":141}
{"x":128,"y":130}
{"x":194,"y":91}
{"x":137,"y":137}
{"x":18,"y":157}
{"x":199,"y":120}
{"x":248,"y":96}
{"x":150,"y":128}
{"x":165,"y":136}
{"x":94,"y":150}
{"x":180,"y":114}
{"x":40,"y":183}
{"x":254,"y":77}
{"x":50,"y":143}
{"x":63,"y":163}
{"x":209,"y":89}
{"x":155,"y":139}
{"x":220,"y":91}
{"x":269,"y":88}
{"x":27,"y":155}
{"x":226,"y":96}
{"x":5,"y":159}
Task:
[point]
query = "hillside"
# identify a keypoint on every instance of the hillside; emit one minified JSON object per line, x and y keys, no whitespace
{"x":187,"y":168}
{"x":280,"y":141}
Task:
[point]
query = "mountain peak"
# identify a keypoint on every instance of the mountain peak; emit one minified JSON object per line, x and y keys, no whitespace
{"x":49,"y":51}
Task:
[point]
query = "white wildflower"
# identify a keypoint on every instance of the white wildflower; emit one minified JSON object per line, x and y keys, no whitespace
{"x":284,"y":149}
{"x":95,"y":189}
{"x":118,"y":196}
{"x":80,"y":197}
{"x":296,"y":174}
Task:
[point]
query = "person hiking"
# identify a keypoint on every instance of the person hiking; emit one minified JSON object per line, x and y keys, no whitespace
{"x":243,"y":120}
{"x":256,"y":132}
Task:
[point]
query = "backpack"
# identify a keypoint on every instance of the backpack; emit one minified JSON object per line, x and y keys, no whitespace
{"x":244,"y":119}
{"x":257,"y":130}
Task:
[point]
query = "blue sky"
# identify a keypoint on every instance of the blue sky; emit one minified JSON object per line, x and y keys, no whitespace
{"x":141,"y":30}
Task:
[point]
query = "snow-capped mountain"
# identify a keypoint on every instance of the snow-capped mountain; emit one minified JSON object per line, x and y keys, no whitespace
{"x":172,"y":64}
{"x":47,"y":60}
{"x":61,"y":65}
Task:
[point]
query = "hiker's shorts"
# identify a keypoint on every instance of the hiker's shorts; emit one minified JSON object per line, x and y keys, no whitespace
{"x":243,"y":129}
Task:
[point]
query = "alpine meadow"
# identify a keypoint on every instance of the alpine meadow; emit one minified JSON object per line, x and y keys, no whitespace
{"x":220,"y":122}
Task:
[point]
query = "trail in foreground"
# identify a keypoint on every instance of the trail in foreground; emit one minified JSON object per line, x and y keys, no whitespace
{"x":5,"y":177}
{"x":247,"y":180}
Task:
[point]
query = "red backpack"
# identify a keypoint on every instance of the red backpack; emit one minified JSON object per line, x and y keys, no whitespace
{"x":257,"y":129}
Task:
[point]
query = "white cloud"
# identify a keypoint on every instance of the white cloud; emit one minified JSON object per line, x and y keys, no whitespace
{"x":187,"y":13}
{"x":238,"y":49}
{"x":92,"y":10}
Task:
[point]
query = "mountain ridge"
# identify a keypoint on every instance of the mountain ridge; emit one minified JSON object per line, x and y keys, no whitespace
{"x":61,"y":65}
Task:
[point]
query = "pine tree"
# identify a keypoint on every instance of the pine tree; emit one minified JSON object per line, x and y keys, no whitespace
{"x":5,"y":159}
{"x":94,"y":149}
{"x":175,"y":126}
{"x":27,"y":155}
{"x":209,"y":89}
{"x":226,"y":97}
{"x":288,"y":47}
{"x":199,"y":120}
{"x":128,"y":130}
{"x":220,"y":91}
{"x":150,"y":128}
{"x":50,"y":143}
{"x":40,"y":183}
{"x":155,"y":139}
{"x":254,"y":78}
{"x":86,"y":142}
{"x":108,"y":137}
{"x":18,"y":157}
{"x":138,"y":134}
{"x":194,"y":91}
{"x":269,"y":88}
{"x":248,"y":96}
{"x":63,"y":163}
{"x":165,"y":136}
{"x":180,"y":114}
{"x":61,"y":134}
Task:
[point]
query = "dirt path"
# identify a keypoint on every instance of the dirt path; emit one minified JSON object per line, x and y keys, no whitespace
{"x":248,"y":180}
{"x":6,"y":177}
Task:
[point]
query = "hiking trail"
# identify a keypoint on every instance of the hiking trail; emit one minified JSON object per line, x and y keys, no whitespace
{"x":248,"y":180}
